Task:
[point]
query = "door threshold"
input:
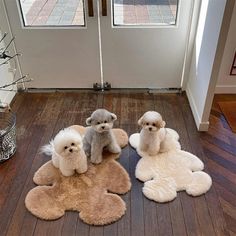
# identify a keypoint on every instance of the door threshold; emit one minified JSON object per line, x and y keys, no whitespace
{"x":112,"y":90}
{"x":165,"y":90}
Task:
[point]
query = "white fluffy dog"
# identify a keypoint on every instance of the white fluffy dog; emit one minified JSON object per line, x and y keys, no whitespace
{"x":99,"y":135}
{"x":154,"y":137}
{"x":67,"y":152}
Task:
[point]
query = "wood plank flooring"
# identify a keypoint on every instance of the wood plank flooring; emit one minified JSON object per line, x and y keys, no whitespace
{"x":41,"y":115}
{"x":219,"y":146}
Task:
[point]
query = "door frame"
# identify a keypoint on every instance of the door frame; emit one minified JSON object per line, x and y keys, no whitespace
{"x":203,"y":79}
{"x":190,"y":29}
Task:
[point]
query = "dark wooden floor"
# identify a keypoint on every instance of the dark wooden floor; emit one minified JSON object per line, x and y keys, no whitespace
{"x":41,"y":116}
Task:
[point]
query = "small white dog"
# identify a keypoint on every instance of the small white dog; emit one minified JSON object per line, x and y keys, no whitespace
{"x":154,"y":137}
{"x":99,"y":135}
{"x":67,"y":152}
{"x":152,"y":133}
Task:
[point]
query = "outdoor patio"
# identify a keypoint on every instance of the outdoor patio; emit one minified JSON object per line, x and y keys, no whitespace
{"x":71,"y":12}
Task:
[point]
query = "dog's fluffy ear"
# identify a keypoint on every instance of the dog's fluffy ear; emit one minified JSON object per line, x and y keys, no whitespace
{"x":89,"y":121}
{"x":163,"y":124}
{"x":113,"y":117}
{"x":140,"y":121}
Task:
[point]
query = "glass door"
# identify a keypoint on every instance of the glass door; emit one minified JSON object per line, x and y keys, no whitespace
{"x":144,"y":42}
{"x":58,"y":40}
{"x":75,"y":43}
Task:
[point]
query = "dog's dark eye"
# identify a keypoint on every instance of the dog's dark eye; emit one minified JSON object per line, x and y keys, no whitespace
{"x":147,"y":123}
{"x":65,"y":147}
{"x":72,"y":144}
{"x":98,"y":123}
{"x":154,"y":124}
{"x":105,"y":121}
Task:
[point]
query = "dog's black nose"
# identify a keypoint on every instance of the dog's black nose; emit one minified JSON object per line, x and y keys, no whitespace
{"x":150,"y":129}
{"x":71,"y":150}
{"x":103,"y":127}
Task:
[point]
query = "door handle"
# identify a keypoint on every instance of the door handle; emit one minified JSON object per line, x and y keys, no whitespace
{"x":104,"y":7}
{"x":90,"y":8}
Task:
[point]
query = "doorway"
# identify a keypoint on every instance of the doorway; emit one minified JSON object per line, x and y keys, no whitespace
{"x":128,"y":43}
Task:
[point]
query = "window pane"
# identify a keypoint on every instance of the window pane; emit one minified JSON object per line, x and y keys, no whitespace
{"x":145,"y":12}
{"x":53,"y":12}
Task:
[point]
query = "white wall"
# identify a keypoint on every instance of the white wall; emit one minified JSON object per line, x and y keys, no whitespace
{"x":226,"y":82}
{"x":200,"y":81}
{"x":6,"y":77}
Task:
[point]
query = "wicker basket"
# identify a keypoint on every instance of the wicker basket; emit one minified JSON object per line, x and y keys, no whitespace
{"x":7,"y":135}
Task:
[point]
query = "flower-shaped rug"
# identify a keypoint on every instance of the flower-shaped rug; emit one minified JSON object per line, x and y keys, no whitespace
{"x":169,"y":172}
{"x":93,"y":194}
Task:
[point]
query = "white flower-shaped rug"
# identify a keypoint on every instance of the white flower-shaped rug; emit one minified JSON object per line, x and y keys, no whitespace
{"x":173,"y":170}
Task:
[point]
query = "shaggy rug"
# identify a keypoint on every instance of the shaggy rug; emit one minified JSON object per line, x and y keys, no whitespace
{"x":93,"y":194}
{"x":174,"y":170}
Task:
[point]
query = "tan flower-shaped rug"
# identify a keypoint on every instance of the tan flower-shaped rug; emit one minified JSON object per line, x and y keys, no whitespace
{"x":93,"y":194}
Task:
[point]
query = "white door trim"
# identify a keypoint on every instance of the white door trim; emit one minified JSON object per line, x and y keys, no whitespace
{"x":203,"y":74}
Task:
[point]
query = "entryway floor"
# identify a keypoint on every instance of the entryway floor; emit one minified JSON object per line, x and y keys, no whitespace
{"x":41,"y":115}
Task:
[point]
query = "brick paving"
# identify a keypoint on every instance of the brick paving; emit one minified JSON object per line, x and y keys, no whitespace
{"x":126,"y":12}
{"x":145,"y":12}
{"x":53,"y":12}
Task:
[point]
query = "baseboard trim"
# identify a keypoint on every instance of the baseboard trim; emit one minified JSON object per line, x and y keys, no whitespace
{"x":201,"y":126}
{"x":225,"y":89}
{"x":112,"y":90}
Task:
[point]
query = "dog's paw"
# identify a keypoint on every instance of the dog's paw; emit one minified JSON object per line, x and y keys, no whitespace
{"x":114,"y":149}
{"x":67,"y":172}
{"x":82,"y":168}
{"x":117,"y":150}
{"x":96,"y":160}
